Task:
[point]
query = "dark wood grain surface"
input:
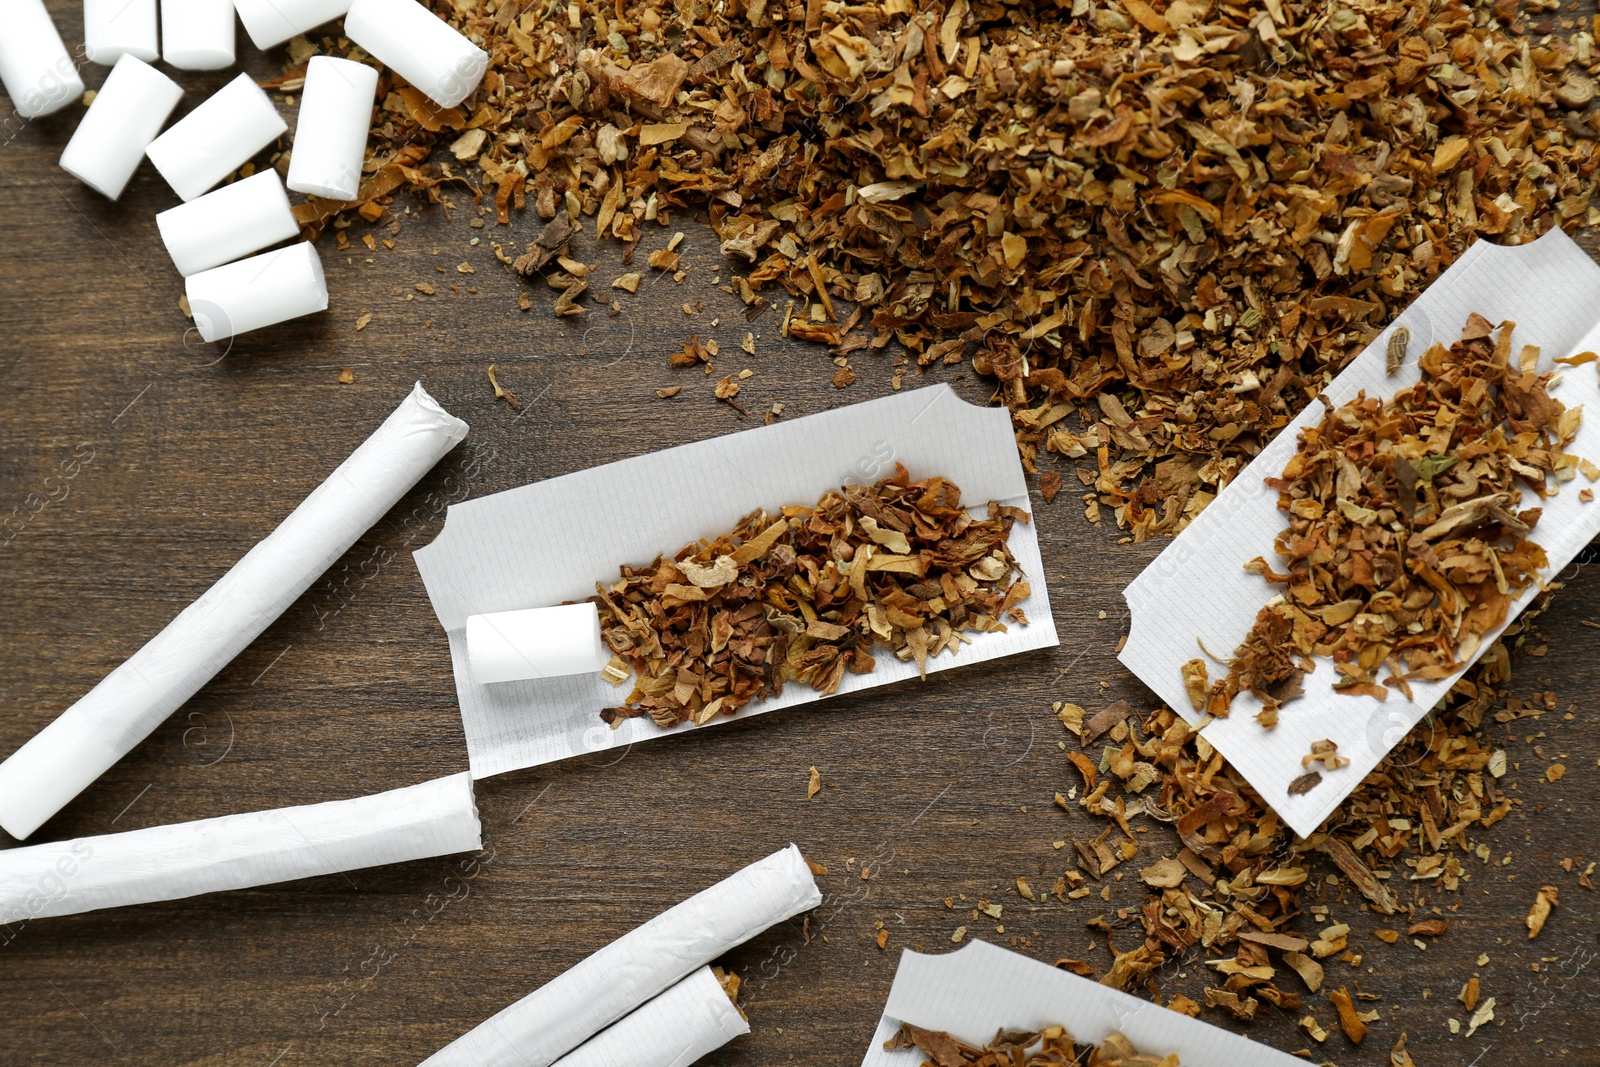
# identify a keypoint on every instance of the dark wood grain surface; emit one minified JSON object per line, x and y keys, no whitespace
{"x":182,"y":455}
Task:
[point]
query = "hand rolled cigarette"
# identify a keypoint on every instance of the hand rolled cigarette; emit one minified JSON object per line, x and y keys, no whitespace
{"x":673,"y":1029}
{"x":125,"y":117}
{"x":86,"y":739}
{"x":217,"y":137}
{"x":116,"y":28}
{"x":260,"y":291}
{"x":509,"y":646}
{"x":35,"y":69}
{"x":272,"y":22}
{"x":227,"y":223}
{"x":559,"y":1016}
{"x":330,"y":137}
{"x":419,"y":46}
{"x":239,"y":851}
{"x":197,"y":34}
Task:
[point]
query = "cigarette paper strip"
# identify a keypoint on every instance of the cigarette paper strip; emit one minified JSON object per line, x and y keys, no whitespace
{"x":222,"y":133}
{"x":86,"y":739}
{"x":419,"y":46}
{"x":125,"y":117}
{"x":37,"y":73}
{"x":272,"y":22}
{"x":510,"y":646}
{"x":197,"y":34}
{"x":980,"y":989}
{"x":238,"y":851}
{"x":556,"y":1018}
{"x":673,"y":1029}
{"x":330,"y":136}
{"x":116,"y":28}
{"x":1198,"y":588}
{"x":260,"y":291}
{"x":227,"y":223}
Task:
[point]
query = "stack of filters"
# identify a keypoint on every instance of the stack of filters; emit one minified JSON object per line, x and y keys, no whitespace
{"x":209,"y":235}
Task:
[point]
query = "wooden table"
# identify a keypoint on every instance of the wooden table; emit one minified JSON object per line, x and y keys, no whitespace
{"x":181,"y":456}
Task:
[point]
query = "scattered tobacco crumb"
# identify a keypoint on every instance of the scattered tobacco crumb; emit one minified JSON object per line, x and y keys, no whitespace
{"x":669,"y":391}
{"x":1543,"y":904}
{"x":501,"y":393}
{"x":813,"y":783}
{"x":346,"y":376}
{"x":1050,"y":1046}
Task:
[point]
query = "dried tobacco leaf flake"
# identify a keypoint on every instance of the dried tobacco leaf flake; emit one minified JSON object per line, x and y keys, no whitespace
{"x":1543,"y":904}
{"x":1354,"y":1027}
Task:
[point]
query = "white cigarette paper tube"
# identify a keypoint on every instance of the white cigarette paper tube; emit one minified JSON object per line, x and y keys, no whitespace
{"x":227,"y":223}
{"x":419,"y":46}
{"x":38,"y":74}
{"x":330,"y":137}
{"x":213,"y":140}
{"x":509,"y":646}
{"x":86,"y":739}
{"x":260,"y":291}
{"x":272,"y":22}
{"x":238,"y":851}
{"x":690,"y":1020}
{"x":116,"y":28}
{"x":559,"y":1016}
{"x":125,"y":117}
{"x":197,"y":34}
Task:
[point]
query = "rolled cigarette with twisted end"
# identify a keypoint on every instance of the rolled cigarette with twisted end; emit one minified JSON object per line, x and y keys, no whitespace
{"x":227,"y":223}
{"x":216,"y":138}
{"x":84,"y":741}
{"x":197,"y":34}
{"x":260,"y":291}
{"x":272,"y":22}
{"x":35,"y":69}
{"x":419,"y":46}
{"x":116,"y":28}
{"x":125,"y":117}
{"x":330,"y":136}
{"x":510,"y":646}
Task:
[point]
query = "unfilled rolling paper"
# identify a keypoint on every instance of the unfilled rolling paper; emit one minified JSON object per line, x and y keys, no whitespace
{"x":86,"y":739}
{"x":419,"y":46}
{"x":272,"y":22}
{"x":125,"y":117}
{"x":227,"y":223}
{"x":37,"y":73}
{"x":260,"y":291}
{"x":672,"y":1029}
{"x":559,"y":1016}
{"x":509,"y":646}
{"x":197,"y":34}
{"x":116,"y":28}
{"x":330,"y":136}
{"x":210,"y":142}
{"x":238,"y":851}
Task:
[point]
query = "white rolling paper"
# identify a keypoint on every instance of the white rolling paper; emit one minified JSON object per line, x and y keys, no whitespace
{"x":238,"y":851}
{"x":35,"y":68}
{"x":227,"y":223}
{"x":272,"y":22}
{"x":197,"y":34}
{"x":511,"y":646}
{"x":86,"y":739}
{"x":673,"y":1029}
{"x":125,"y":117}
{"x":218,"y":136}
{"x":260,"y":291}
{"x":116,"y":28}
{"x":330,"y":136}
{"x":559,"y":1016}
{"x":419,"y":46}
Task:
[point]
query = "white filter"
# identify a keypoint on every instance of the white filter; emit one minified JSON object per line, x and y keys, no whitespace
{"x":419,"y":46}
{"x":216,"y":138}
{"x":125,"y":117}
{"x":565,"y":1012}
{"x":674,"y":1029}
{"x":186,"y":859}
{"x":509,"y":646}
{"x":260,"y":291}
{"x":227,"y":223}
{"x":38,"y":74}
{"x":116,"y":28}
{"x":197,"y":34}
{"x":272,"y":22}
{"x":86,"y":739}
{"x":330,"y":137}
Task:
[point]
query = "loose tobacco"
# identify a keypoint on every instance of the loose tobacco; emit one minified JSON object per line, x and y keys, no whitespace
{"x":1044,"y":1048}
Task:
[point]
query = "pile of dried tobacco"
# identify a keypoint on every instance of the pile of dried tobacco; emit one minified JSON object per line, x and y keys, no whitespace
{"x":808,"y":594}
{"x":1046,"y":1048}
{"x":1404,"y":545}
